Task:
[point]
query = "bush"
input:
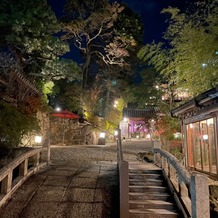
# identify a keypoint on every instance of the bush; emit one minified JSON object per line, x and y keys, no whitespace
{"x":14,"y":125}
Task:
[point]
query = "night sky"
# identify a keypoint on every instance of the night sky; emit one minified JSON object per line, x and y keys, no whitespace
{"x":149,"y":10}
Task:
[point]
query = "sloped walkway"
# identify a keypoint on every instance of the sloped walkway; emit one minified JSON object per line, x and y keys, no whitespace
{"x":74,"y":186}
{"x":82,"y":182}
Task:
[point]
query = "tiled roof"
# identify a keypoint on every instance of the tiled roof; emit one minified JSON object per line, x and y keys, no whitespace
{"x":138,"y":113}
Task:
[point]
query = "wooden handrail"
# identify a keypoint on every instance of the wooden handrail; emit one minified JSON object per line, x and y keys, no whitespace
{"x":10,"y":179}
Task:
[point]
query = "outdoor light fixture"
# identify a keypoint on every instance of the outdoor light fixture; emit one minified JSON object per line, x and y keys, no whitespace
{"x":58,"y":109}
{"x":38,"y":139}
{"x":125,"y":119}
{"x":116,"y":133}
{"x":102,"y":134}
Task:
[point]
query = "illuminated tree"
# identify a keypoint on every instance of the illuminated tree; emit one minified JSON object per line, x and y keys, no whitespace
{"x":188,"y":59}
{"x":27,"y":30}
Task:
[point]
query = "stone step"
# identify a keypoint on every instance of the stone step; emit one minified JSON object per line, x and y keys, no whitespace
{"x":156,"y":182}
{"x":151,"y":204}
{"x":150,"y":196}
{"x":147,"y":189}
{"x":144,"y":177}
{"x":153,"y":213}
{"x":145,"y":171}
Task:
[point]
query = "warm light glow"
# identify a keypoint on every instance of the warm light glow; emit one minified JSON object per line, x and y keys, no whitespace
{"x":210,"y":121}
{"x":116,"y":133}
{"x":58,"y":109}
{"x":115,"y":103}
{"x":204,"y":65}
{"x":191,"y":125}
{"x":102,"y":135}
{"x":137,"y":136}
{"x":38,"y":139}
{"x":125,"y":119}
{"x":205,"y":137}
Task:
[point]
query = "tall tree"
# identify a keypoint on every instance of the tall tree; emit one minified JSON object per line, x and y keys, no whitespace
{"x":144,"y":90}
{"x":88,"y":25}
{"x":28,"y":29}
{"x":188,"y":59}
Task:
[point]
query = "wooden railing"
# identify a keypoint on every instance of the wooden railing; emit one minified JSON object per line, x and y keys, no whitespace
{"x":123,"y":168}
{"x":18,"y":171}
{"x":190,"y":190}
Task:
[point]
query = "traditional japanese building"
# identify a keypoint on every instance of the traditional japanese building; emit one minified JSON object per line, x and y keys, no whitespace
{"x":135,"y":123}
{"x":199,"y":118}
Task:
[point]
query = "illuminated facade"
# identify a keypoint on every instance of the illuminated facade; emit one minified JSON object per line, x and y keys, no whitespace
{"x":135,"y":122}
{"x":200,"y":129}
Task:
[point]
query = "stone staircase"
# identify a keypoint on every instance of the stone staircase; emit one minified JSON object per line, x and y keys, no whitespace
{"x":148,"y":193}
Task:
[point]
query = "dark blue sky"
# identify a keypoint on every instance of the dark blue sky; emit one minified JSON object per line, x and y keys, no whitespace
{"x":154,"y":21}
{"x":149,"y":10}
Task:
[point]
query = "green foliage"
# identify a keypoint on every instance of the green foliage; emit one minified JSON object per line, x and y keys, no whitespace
{"x":189,"y":57}
{"x":29,"y":29}
{"x":166,"y":125}
{"x":14,"y":125}
{"x":104,"y":32}
{"x":61,"y":69}
{"x":129,"y":24}
{"x":30,"y":25}
{"x":145,"y":93}
{"x":114,"y":115}
{"x":47,"y":87}
{"x":68,"y":93}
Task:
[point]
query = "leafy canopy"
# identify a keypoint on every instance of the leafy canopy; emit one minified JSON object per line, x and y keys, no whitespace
{"x":189,"y":57}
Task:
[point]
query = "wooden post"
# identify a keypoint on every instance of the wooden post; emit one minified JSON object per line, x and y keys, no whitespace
{"x":199,"y":196}
{"x":48,"y":144}
{"x":124,"y":189}
{"x":36,"y":159}
{"x":6,"y":184}
{"x":23,"y":168}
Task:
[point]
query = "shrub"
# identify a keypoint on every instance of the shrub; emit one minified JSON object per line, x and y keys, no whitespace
{"x":14,"y":125}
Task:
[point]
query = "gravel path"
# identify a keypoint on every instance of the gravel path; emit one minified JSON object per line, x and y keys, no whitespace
{"x":81,"y":182}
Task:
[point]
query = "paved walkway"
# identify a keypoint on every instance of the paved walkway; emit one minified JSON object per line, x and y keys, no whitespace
{"x":81,"y":182}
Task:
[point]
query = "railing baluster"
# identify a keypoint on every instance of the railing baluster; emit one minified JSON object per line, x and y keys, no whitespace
{"x":23,"y":168}
{"x":8,"y":186}
{"x":36,"y":159}
{"x":196,"y":205}
{"x":6,"y":183}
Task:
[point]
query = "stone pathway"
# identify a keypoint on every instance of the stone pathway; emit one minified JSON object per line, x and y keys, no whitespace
{"x":74,"y":186}
{"x":81,"y":182}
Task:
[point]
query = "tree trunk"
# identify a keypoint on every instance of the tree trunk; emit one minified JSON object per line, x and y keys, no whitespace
{"x":86,"y":68}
